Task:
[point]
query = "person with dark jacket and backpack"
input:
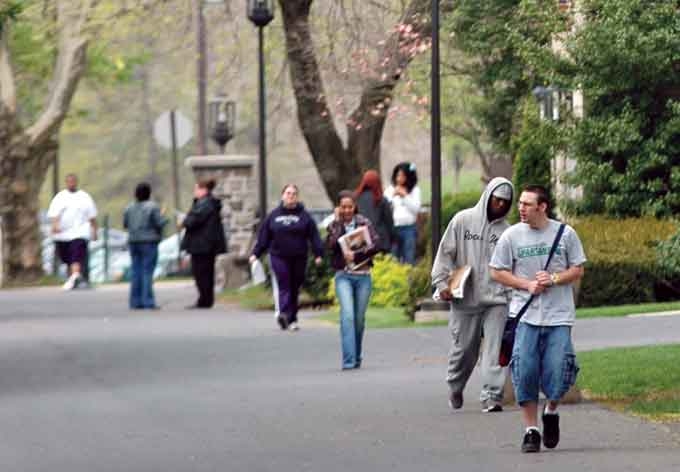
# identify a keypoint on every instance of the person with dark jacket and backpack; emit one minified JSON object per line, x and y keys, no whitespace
{"x":286,"y":234}
{"x":204,"y":239}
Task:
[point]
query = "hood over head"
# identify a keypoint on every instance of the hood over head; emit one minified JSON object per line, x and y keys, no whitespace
{"x":502,"y":188}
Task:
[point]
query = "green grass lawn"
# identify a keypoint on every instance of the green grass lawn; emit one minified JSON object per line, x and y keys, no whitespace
{"x":375,"y":317}
{"x":624,"y":310}
{"x":641,"y":380}
{"x":258,"y":297}
{"x":469,"y":181}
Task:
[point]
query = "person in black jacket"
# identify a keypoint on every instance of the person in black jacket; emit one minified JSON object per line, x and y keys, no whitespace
{"x":286,"y":233}
{"x":204,"y":239}
{"x":373,"y":205}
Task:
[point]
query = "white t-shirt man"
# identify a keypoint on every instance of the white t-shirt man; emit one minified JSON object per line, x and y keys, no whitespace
{"x":73,"y":211}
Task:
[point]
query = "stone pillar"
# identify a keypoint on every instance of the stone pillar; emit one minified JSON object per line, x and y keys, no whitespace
{"x":2,"y":255}
{"x":236,"y":187}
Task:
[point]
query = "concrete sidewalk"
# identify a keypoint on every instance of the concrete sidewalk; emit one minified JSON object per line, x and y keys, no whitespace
{"x":88,"y":386}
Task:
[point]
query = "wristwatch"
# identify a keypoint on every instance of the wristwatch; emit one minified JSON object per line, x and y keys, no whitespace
{"x":555,"y":278}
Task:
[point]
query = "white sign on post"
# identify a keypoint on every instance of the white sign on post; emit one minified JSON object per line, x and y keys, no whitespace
{"x":162,"y":131}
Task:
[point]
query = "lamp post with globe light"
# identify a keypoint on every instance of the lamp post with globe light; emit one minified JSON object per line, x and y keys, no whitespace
{"x":261,"y":13}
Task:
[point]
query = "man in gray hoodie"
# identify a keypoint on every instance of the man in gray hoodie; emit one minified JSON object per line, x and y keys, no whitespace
{"x":470,"y":240}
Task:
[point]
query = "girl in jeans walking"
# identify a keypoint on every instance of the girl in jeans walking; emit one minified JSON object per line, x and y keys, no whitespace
{"x":352,"y":262}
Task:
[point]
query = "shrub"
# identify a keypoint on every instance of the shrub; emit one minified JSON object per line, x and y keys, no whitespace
{"x":622,"y":262}
{"x":390,"y":282}
{"x":452,"y":203}
{"x":318,"y":280}
{"x":668,"y":255}
{"x":533,"y":149}
{"x":419,"y":285}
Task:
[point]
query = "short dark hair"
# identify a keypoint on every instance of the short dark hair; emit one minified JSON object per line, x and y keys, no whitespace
{"x":542,"y":195}
{"x":208,"y":184}
{"x":142,"y":191}
{"x":409,"y":170}
{"x":346,"y":194}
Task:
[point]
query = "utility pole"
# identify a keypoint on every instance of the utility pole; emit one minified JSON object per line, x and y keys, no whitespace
{"x":201,"y":72}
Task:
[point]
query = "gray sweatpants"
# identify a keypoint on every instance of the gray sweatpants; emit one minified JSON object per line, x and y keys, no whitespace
{"x":467,"y":329}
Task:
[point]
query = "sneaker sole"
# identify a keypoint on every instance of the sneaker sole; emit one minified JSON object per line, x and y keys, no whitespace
{"x":531,"y":448}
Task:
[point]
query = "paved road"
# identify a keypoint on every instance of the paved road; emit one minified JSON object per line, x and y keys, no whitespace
{"x":88,"y":386}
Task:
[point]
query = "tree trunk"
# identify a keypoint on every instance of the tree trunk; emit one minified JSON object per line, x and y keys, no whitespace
{"x":22,"y":173}
{"x":339,"y":166}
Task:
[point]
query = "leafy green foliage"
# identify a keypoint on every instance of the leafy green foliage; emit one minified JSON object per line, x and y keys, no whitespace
{"x":622,"y":262}
{"x":627,"y":60}
{"x":533,"y":147}
{"x":452,"y":203}
{"x":9,"y":11}
{"x":509,"y":44}
{"x":390,"y":282}
{"x":318,"y":280}
{"x":419,"y":285}
{"x":668,"y":255}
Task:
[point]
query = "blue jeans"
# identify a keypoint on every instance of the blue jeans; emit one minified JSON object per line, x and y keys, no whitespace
{"x":405,"y":248}
{"x":542,"y":357}
{"x":353,"y":292}
{"x":144,"y":258}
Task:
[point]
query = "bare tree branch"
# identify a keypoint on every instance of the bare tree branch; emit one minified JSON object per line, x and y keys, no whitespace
{"x":8,"y":92}
{"x":70,"y":66}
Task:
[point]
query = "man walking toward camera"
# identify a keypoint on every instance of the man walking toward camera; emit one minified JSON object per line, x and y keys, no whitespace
{"x":469,"y":240}
{"x":543,"y":354}
{"x":72,"y":214}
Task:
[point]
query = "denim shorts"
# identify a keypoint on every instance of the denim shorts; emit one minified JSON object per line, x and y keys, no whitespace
{"x":542,"y":357}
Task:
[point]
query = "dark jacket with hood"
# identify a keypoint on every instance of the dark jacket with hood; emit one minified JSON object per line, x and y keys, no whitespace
{"x":287,"y":232}
{"x":204,"y":231}
{"x":470,"y":239}
{"x":381,"y":217}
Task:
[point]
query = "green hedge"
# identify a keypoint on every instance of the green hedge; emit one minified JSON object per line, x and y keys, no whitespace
{"x":452,"y":203}
{"x":622,"y":266}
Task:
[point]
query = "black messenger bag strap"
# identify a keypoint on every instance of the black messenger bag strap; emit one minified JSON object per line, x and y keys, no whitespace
{"x":558,"y":236}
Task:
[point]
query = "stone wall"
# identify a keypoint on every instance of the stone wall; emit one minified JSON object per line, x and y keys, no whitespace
{"x":236,"y":187}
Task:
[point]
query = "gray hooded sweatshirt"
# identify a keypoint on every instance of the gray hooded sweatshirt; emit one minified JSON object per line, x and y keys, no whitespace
{"x":470,"y":239}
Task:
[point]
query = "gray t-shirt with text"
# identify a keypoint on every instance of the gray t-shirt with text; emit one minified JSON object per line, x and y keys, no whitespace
{"x":524,"y":251}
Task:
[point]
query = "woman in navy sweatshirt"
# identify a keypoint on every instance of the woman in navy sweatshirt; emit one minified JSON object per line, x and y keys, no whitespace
{"x":286,"y":234}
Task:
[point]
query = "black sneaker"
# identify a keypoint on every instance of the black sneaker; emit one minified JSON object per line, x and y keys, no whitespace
{"x":532,"y":441}
{"x":551,"y":430}
{"x":491,"y":407}
{"x":283,"y":321}
{"x":455,"y":400}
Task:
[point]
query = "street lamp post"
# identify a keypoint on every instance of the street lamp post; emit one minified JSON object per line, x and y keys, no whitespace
{"x":221,"y":119}
{"x":201,"y":70}
{"x":261,"y":13}
{"x":435,"y":167}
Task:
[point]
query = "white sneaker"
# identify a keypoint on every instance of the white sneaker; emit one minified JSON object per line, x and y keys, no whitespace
{"x":293,"y":326}
{"x":71,"y":282}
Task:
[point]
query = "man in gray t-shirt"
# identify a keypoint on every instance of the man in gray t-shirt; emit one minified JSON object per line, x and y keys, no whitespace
{"x":543,"y":354}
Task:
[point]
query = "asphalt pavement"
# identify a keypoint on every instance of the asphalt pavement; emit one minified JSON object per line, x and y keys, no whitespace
{"x":87,"y":385}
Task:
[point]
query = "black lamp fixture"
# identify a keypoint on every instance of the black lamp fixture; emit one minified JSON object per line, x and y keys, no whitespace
{"x":260,"y":12}
{"x":222,"y":118}
{"x":548,"y":102}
